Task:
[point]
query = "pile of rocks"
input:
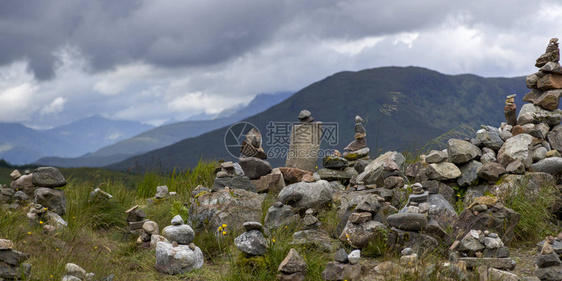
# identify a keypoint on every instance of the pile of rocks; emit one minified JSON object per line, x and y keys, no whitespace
{"x":161,"y":194}
{"x":135,"y":218}
{"x":176,"y":254}
{"x":549,"y":266}
{"x":11,"y":262}
{"x":546,"y":84}
{"x":76,"y":273}
{"x":357,"y":149}
{"x":344,"y":266}
{"x":252,"y":242}
{"x":253,"y":157}
{"x":482,"y":248}
{"x":292,"y":268}
{"x":50,"y":221}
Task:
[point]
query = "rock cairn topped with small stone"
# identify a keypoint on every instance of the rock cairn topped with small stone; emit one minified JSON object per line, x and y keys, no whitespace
{"x":175,"y":252}
{"x":252,"y":242}
{"x":546,"y":84}
{"x":549,"y":266}
{"x":357,"y":149}
{"x":482,"y":248}
{"x":11,"y":262}
{"x":76,"y":273}
{"x":344,"y":266}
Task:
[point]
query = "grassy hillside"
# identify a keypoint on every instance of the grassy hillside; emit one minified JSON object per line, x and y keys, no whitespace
{"x":428,"y":105}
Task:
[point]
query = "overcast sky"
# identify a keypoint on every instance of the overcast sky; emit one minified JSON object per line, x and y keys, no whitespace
{"x":152,"y":61}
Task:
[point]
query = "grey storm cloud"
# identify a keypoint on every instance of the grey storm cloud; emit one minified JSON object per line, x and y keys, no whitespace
{"x":193,"y":33}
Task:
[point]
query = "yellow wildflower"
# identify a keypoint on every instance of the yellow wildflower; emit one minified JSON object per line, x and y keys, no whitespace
{"x":224,"y":233}
{"x":220,"y":228}
{"x":96,"y":247}
{"x":224,"y":225}
{"x":273,"y":240}
{"x":29,"y":233}
{"x":40,"y":222}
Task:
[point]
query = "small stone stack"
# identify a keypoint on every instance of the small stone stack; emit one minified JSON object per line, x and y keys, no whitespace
{"x":344,"y":266}
{"x":149,"y":229}
{"x":310,"y":221}
{"x":510,"y":110}
{"x":76,"y":273}
{"x":357,"y":149}
{"x":176,"y":254}
{"x":365,"y":223}
{"x":279,"y":215}
{"x":546,"y":84}
{"x":11,"y":262}
{"x":161,"y":194}
{"x":292,"y":268}
{"x":231,"y":175}
{"x":135,"y":218}
{"x":52,"y":221}
{"x":549,"y":267}
{"x":253,"y":157}
{"x":252,"y":242}
{"x":482,"y":248}
{"x":46,"y":179}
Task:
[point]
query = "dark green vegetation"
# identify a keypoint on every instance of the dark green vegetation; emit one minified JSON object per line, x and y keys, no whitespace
{"x":428,"y":104}
{"x":164,"y":135}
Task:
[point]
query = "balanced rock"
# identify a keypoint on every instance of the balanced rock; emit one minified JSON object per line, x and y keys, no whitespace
{"x":251,"y":242}
{"x":408,"y":221}
{"x":181,"y":233}
{"x":48,"y":177}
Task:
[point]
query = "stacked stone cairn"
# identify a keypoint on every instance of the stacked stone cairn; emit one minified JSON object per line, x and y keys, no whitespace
{"x":135,"y":218}
{"x":253,"y":162}
{"x":76,"y":273}
{"x":161,"y":194}
{"x":251,"y":243}
{"x":549,"y":267}
{"x":11,"y":262}
{"x":176,"y":254}
{"x":482,"y":248}
{"x":292,"y":268}
{"x":49,"y":204}
{"x":357,"y":149}
{"x":344,"y":266}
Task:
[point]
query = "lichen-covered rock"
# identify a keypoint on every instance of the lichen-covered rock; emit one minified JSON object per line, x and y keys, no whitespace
{"x":48,"y":177}
{"x":359,"y":235}
{"x":443,"y":171}
{"x":498,"y":219}
{"x":518,"y":147}
{"x":461,"y":151}
{"x":52,"y":199}
{"x":375,"y":172}
{"x":305,"y":195}
{"x":232,"y":207}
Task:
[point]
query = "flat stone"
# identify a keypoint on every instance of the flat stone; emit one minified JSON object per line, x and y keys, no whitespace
{"x":75,"y":270}
{"x":552,"y":273}
{"x":443,"y":171}
{"x":491,"y":172}
{"x":254,"y":167}
{"x":550,"y":81}
{"x":359,"y":218}
{"x":408,"y":221}
{"x":15,"y":174}
{"x":253,"y":225}
{"x":436,"y":156}
{"x":335,"y":162}
{"x":13,"y":257}
{"x":238,"y":182}
{"x":548,"y":260}
{"x":6,"y":244}
{"x":499,"y":263}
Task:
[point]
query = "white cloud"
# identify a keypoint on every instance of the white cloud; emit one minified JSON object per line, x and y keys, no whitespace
{"x":56,"y":106}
